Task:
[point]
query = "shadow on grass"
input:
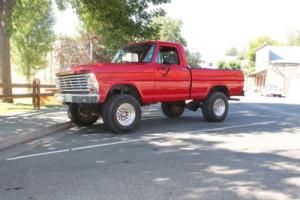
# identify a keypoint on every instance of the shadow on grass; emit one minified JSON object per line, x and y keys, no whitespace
{"x":20,"y":107}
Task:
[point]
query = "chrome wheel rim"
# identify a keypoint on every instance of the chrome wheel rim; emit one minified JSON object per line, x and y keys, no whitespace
{"x":125,"y":114}
{"x":219,"y":107}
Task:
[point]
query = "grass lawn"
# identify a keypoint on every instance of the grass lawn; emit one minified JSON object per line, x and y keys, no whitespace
{"x":8,"y":108}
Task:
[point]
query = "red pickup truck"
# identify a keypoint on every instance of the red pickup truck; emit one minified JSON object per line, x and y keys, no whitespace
{"x":142,"y":74}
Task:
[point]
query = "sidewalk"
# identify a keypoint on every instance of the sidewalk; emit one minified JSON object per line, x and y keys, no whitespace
{"x":18,"y":128}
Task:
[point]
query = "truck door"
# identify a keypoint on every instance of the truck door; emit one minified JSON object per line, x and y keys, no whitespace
{"x":172,"y":78}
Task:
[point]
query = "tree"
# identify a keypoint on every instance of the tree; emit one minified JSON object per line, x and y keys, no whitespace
{"x":67,"y":51}
{"x":170,"y":29}
{"x":234,"y":65}
{"x":294,"y":38}
{"x":33,"y":35}
{"x":230,"y":65}
{"x":117,"y":21}
{"x":98,"y":52}
{"x":253,"y":47}
{"x":231,"y":52}
{"x":86,"y":48}
{"x":6,"y":10}
{"x":194,"y":58}
{"x":241,"y":55}
{"x":221,"y":64}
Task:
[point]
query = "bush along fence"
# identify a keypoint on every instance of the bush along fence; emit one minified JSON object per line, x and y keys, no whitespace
{"x":35,"y":94}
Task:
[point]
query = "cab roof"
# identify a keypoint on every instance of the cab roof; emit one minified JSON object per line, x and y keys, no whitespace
{"x":179,"y":46}
{"x":157,"y":42}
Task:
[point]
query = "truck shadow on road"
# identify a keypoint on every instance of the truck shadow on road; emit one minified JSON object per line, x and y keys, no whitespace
{"x":215,"y":171}
{"x":154,"y":121}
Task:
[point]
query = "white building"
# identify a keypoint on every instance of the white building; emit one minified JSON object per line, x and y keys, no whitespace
{"x":280,"y":66}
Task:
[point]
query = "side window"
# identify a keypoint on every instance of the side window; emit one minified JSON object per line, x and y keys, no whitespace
{"x":148,"y":57}
{"x":168,"y":55}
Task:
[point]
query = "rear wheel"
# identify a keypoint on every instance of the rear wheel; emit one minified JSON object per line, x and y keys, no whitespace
{"x":121,"y":113}
{"x":172,"y":110}
{"x":215,"y":107}
{"x":81,"y":115}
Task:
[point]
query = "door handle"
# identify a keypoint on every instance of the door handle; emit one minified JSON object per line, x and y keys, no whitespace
{"x":164,"y":69}
{"x":184,"y":69}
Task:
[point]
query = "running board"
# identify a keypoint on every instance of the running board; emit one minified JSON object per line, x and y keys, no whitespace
{"x":234,"y":99}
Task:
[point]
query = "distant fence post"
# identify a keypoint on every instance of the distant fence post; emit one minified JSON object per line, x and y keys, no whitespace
{"x":36,"y":94}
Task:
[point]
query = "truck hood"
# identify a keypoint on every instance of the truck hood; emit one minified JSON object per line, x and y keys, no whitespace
{"x":98,"y":68}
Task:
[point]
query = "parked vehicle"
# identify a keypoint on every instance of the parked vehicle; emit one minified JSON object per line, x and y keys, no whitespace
{"x":142,"y":74}
{"x":272,"y":90}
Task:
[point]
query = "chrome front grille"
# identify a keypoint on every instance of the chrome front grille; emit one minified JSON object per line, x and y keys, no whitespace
{"x":74,"y":83}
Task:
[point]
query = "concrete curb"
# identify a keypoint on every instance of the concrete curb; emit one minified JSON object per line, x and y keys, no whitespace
{"x":17,"y":139}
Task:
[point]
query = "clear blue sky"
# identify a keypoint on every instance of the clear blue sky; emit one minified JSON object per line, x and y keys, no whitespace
{"x":212,"y":26}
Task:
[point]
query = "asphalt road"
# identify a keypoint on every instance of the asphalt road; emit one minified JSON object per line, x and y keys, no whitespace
{"x":254,"y":154}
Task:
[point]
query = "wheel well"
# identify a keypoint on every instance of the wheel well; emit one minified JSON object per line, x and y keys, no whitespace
{"x":124,"y":89}
{"x":220,"y":88}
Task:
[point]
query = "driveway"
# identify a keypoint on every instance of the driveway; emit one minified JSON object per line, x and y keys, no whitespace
{"x":254,"y":154}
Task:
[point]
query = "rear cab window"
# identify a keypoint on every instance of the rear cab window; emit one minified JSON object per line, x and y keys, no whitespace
{"x":168,"y":55}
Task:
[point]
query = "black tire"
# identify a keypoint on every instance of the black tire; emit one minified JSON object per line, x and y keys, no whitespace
{"x":120,"y":103}
{"x":80,"y":116}
{"x":208,"y":111}
{"x":172,"y":110}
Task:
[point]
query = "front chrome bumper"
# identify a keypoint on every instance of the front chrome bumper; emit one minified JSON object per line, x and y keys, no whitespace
{"x":78,"y":98}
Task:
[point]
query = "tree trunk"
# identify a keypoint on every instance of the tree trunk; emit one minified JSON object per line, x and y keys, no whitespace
{"x":6,"y":11}
{"x":5,"y":70}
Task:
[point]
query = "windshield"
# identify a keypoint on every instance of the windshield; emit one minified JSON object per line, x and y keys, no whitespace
{"x":135,"y":54}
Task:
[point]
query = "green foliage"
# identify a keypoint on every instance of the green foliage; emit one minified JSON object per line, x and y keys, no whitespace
{"x":242,"y":55}
{"x":33,"y":35}
{"x":231,"y":52}
{"x":117,"y":21}
{"x":234,"y":65}
{"x":254,"y":45}
{"x":221,"y":64}
{"x":194,"y":58}
{"x":229,"y":65}
{"x":250,"y":70}
{"x":294,"y":38}
{"x":170,"y":29}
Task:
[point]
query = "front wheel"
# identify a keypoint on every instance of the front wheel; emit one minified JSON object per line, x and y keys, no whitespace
{"x":121,"y":113}
{"x":215,"y":107}
{"x":81,"y":115}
